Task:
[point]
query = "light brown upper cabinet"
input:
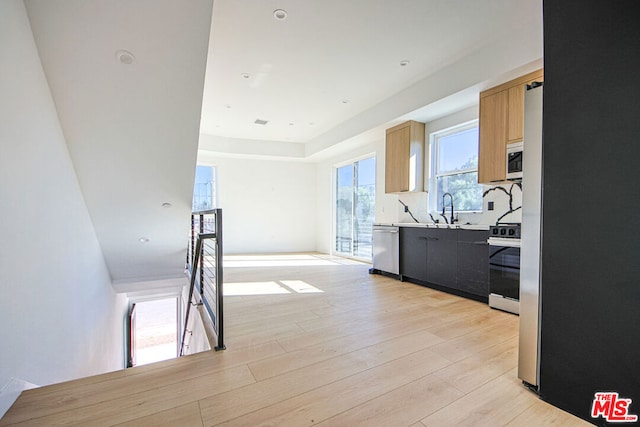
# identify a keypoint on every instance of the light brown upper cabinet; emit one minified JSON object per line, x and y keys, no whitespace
{"x":404,"y":156}
{"x":501,"y":123}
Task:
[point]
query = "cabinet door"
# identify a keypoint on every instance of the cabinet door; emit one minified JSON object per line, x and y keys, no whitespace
{"x":404,"y":155}
{"x":397,"y":159}
{"x":473,"y":262}
{"x":515,"y":119}
{"x":515,"y":110}
{"x":442,"y":265}
{"x":413,"y":253}
{"x":493,"y":137}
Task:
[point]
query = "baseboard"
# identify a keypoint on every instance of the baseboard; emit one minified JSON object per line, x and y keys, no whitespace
{"x":10,"y":392}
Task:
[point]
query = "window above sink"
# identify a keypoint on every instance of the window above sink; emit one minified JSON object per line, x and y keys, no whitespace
{"x":454,"y":168}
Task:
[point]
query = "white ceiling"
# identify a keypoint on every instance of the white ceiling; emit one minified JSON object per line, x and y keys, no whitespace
{"x":303,"y":69}
{"x":132,"y":130}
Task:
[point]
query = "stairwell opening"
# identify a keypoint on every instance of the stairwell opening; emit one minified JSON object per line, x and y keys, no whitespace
{"x":155,"y":331}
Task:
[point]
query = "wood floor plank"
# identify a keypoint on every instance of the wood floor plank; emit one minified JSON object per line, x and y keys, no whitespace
{"x":496,"y":403}
{"x":83,"y":394}
{"x":404,"y":406}
{"x":242,"y":326}
{"x":474,"y":371}
{"x":185,"y":416}
{"x":266,"y":334}
{"x":270,"y":391}
{"x":542,"y":414}
{"x":361,"y":316}
{"x":476,"y":341}
{"x":132,"y":406}
{"x":290,"y":361}
{"x":329,"y":400}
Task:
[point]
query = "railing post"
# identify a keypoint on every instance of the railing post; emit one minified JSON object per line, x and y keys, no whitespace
{"x":201,"y":258}
{"x":212,"y":232}
{"x":191,"y":286}
{"x":193,"y":239}
{"x":219,"y":280}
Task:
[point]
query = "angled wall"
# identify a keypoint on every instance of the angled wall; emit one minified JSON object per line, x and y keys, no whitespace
{"x":59,"y":315}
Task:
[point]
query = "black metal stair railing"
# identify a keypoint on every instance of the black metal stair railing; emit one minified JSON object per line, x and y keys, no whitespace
{"x":204,"y":268}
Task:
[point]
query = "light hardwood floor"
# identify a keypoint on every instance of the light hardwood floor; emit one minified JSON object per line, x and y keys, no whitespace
{"x":313,"y":339}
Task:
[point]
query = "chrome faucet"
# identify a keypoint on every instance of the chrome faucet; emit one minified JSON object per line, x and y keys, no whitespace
{"x":452,"y":220}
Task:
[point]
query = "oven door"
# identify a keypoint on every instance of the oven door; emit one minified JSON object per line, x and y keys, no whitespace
{"x":504,"y":276}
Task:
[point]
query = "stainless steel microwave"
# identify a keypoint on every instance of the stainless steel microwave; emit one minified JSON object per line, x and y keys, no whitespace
{"x":514,"y":161}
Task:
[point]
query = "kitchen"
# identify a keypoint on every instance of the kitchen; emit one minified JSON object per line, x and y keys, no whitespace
{"x":498,"y":166}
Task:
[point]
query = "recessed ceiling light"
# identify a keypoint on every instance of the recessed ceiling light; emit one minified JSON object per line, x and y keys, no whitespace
{"x":311,"y":123}
{"x":125,"y":57}
{"x":245,"y":75}
{"x":143,"y":240}
{"x":227,"y":106}
{"x":166,"y":205}
{"x":404,"y":62}
{"x":261,"y":122}
{"x":280,"y":14}
{"x":290,"y":123}
{"x":345,"y":101}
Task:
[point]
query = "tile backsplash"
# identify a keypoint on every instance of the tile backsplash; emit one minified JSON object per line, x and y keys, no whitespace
{"x":506,"y":198}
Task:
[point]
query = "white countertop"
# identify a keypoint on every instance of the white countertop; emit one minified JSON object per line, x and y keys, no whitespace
{"x":431,"y":225}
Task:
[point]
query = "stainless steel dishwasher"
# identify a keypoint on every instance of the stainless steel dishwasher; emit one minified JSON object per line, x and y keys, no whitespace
{"x":386,"y":249}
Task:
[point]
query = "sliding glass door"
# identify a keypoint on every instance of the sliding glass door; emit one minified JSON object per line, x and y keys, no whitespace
{"x":355,"y":207}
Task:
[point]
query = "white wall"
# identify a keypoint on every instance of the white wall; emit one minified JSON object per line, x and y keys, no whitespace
{"x":59,"y":316}
{"x":268,"y":205}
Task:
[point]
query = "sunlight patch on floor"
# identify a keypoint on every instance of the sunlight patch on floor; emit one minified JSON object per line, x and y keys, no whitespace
{"x":270,"y":288}
{"x":285,"y":260}
{"x":301,"y":287}
{"x":254,"y":288}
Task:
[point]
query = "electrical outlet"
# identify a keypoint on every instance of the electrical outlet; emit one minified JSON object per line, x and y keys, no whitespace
{"x":490,"y":206}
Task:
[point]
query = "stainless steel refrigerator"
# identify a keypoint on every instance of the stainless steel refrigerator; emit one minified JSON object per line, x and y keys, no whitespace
{"x":530,"y":303}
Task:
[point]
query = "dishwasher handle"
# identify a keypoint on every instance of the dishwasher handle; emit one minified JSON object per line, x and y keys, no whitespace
{"x":385,"y":229}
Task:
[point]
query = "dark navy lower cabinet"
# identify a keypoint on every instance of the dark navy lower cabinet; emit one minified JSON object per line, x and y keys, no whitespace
{"x":451,"y":260}
{"x":442,"y":259}
{"x":473,"y":262}
{"x":413,"y":253}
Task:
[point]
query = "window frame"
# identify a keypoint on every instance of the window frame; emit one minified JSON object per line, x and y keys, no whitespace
{"x":434,"y":174}
{"x":334,"y":198}
{"x":214,"y":186}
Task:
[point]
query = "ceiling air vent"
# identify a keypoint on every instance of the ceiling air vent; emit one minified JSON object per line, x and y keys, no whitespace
{"x":261,"y":122}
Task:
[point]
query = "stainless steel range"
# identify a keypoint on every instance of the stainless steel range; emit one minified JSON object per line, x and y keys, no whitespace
{"x":504,"y":267}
